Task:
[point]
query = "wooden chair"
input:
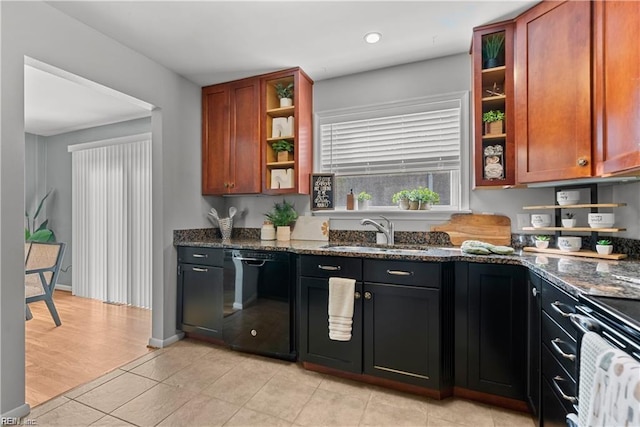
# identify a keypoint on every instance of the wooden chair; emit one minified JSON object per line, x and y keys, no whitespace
{"x":42,"y":266}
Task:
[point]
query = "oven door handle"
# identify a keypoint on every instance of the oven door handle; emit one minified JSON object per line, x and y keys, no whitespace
{"x":585,"y":324}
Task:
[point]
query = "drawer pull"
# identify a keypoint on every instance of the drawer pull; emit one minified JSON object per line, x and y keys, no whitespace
{"x":565,"y":396}
{"x":200,"y":255}
{"x":400,"y":273}
{"x":556,"y":307}
{"x":556,"y":347}
{"x":368,"y":295}
{"x":329,"y":267}
{"x":200,"y":270}
{"x":357,"y":295}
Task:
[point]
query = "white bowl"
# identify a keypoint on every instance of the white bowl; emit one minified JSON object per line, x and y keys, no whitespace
{"x":540,"y":220}
{"x":601,"y":220}
{"x":567,"y":197}
{"x":569,"y":243}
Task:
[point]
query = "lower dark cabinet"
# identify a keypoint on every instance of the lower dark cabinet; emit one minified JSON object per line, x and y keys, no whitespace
{"x":200,"y":292}
{"x":315,"y":345}
{"x":534,"y":337}
{"x":402,"y":333}
{"x":491,"y":329}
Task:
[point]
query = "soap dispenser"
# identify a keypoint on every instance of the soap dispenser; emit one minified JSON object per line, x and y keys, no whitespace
{"x":350,"y":200}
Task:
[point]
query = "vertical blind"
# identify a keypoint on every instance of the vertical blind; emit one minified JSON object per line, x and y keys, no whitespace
{"x":416,"y":142}
{"x":111,"y":208}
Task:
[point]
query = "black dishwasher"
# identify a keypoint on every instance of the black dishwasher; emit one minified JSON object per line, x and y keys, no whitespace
{"x":259,"y":302}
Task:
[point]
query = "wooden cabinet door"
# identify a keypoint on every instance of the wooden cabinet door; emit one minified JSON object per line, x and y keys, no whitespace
{"x":617,"y":86}
{"x":244,"y":145}
{"x":402,"y":333}
{"x":314,"y":343}
{"x":200,"y":299}
{"x":491,"y":325}
{"x":215,"y":139}
{"x":553,"y":92}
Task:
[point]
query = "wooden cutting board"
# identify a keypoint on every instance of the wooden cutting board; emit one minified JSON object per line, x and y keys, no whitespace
{"x":494,"y":229}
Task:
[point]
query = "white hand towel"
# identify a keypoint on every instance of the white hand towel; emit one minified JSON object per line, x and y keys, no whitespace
{"x":340,"y":308}
{"x":615,"y":393}
{"x":593,"y":345}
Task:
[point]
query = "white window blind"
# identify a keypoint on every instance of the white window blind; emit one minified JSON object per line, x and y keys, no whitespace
{"x":415,"y":142}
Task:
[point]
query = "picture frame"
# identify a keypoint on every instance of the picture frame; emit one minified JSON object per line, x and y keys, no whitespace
{"x":322,"y":191}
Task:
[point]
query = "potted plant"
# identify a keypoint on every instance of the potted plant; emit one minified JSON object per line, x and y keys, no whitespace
{"x":283,"y":149}
{"x":493,"y":122}
{"x":364,"y":199}
{"x":285,"y":93}
{"x":42,"y":233}
{"x":542,"y":241}
{"x":282,"y":216}
{"x":402,"y":199}
{"x":569,"y":220}
{"x":604,"y":247}
{"x":491,"y":49}
{"x":426,"y":197}
{"x":414,"y":199}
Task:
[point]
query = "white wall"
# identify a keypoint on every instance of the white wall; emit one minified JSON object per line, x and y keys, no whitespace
{"x":37,"y":30}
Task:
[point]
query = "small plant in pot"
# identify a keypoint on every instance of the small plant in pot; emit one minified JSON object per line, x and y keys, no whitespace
{"x":401,"y":198}
{"x":568,"y":221}
{"x":542,"y":241}
{"x":491,"y":49}
{"x":285,"y":93}
{"x":604,"y":247}
{"x":426,"y":197}
{"x":282,"y":216}
{"x":283,"y":149}
{"x":493,"y":122}
{"x":364,"y":199}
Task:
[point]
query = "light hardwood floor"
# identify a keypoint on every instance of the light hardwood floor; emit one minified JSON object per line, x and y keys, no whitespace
{"x":94,"y":338}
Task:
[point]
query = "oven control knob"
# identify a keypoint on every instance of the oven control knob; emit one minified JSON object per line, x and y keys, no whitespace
{"x":254,"y":332}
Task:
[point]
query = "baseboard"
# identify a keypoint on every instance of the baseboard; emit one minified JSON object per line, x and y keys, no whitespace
{"x":63,"y":287}
{"x":158,"y":343}
{"x":19,"y":412}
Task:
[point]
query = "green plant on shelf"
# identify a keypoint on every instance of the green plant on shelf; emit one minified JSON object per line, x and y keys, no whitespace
{"x":283,"y":91}
{"x":282,"y":145}
{"x":492,"y":46}
{"x":604,"y":242}
{"x":493,"y":116}
{"x":363,"y":195}
{"x":543,"y":238}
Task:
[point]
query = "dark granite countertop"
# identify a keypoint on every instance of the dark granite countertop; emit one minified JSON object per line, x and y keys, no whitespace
{"x":577,"y":276}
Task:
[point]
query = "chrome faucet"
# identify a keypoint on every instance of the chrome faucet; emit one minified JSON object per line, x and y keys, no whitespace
{"x":387,"y":231}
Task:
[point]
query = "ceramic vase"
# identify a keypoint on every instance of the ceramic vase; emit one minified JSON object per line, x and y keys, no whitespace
{"x":283,"y":233}
{"x":286,"y":102}
{"x":568,"y":223}
{"x":542,"y":244}
{"x":604,"y":249}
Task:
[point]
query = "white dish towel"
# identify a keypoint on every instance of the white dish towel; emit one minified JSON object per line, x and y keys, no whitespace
{"x":341,"y":292}
{"x":615,"y":392}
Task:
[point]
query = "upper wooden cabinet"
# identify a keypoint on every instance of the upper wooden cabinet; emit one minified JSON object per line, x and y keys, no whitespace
{"x":553,"y":92}
{"x":617,"y":87}
{"x":494,"y":149}
{"x":290,"y":175}
{"x":231,"y":138}
{"x":238,"y":130}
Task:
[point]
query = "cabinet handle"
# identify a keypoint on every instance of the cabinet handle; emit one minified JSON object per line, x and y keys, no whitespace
{"x":226,"y":185}
{"x":201,"y":270}
{"x":201,"y":255}
{"x":565,"y":396}
{"x":582,"y":161}
{"x":367,"y":295}
{"x":556,"y":307}
{"x":357,"y":295}
{"x":534,"y":291}
{"x":556,"y":347}
{"x":329,"y":267}
{"x":400,"y":273}
{"x":232,"y":185}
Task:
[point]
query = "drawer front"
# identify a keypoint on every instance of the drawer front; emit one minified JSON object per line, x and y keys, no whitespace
{"x":562,"y":346}
{"x":329,"y":266}
{"x":201,"y":256}
{"x":563,"y":385}
{"x":422,"y":274}
{"x":559,"y":306}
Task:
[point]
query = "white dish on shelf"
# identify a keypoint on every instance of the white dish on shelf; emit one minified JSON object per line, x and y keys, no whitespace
{"x":567,"y":197}
{"x":569,"y":243}
{"x":540,"y":220}
{"x":601,"y":220}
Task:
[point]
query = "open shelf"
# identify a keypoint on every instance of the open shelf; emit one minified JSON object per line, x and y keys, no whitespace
{"x":576,"y":229}
{"x":494,"y":136}
{"x":281,"y":111}
{"x":581,"y":253}
{"x":288,"y":164}
{"x":589,"y":205}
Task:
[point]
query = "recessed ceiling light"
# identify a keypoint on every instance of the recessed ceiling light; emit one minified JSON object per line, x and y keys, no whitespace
{"x":372,"y":37}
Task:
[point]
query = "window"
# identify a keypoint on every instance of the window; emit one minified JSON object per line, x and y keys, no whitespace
{"x":386,"y":148}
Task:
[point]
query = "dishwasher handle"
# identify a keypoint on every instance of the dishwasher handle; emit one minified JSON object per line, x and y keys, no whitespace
{"x":255,"y":262}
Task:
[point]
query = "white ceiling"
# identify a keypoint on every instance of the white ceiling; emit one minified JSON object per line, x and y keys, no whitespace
{"x":210,"y":42}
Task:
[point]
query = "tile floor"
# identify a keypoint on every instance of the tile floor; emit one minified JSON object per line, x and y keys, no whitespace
{"x":198,"y":384}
